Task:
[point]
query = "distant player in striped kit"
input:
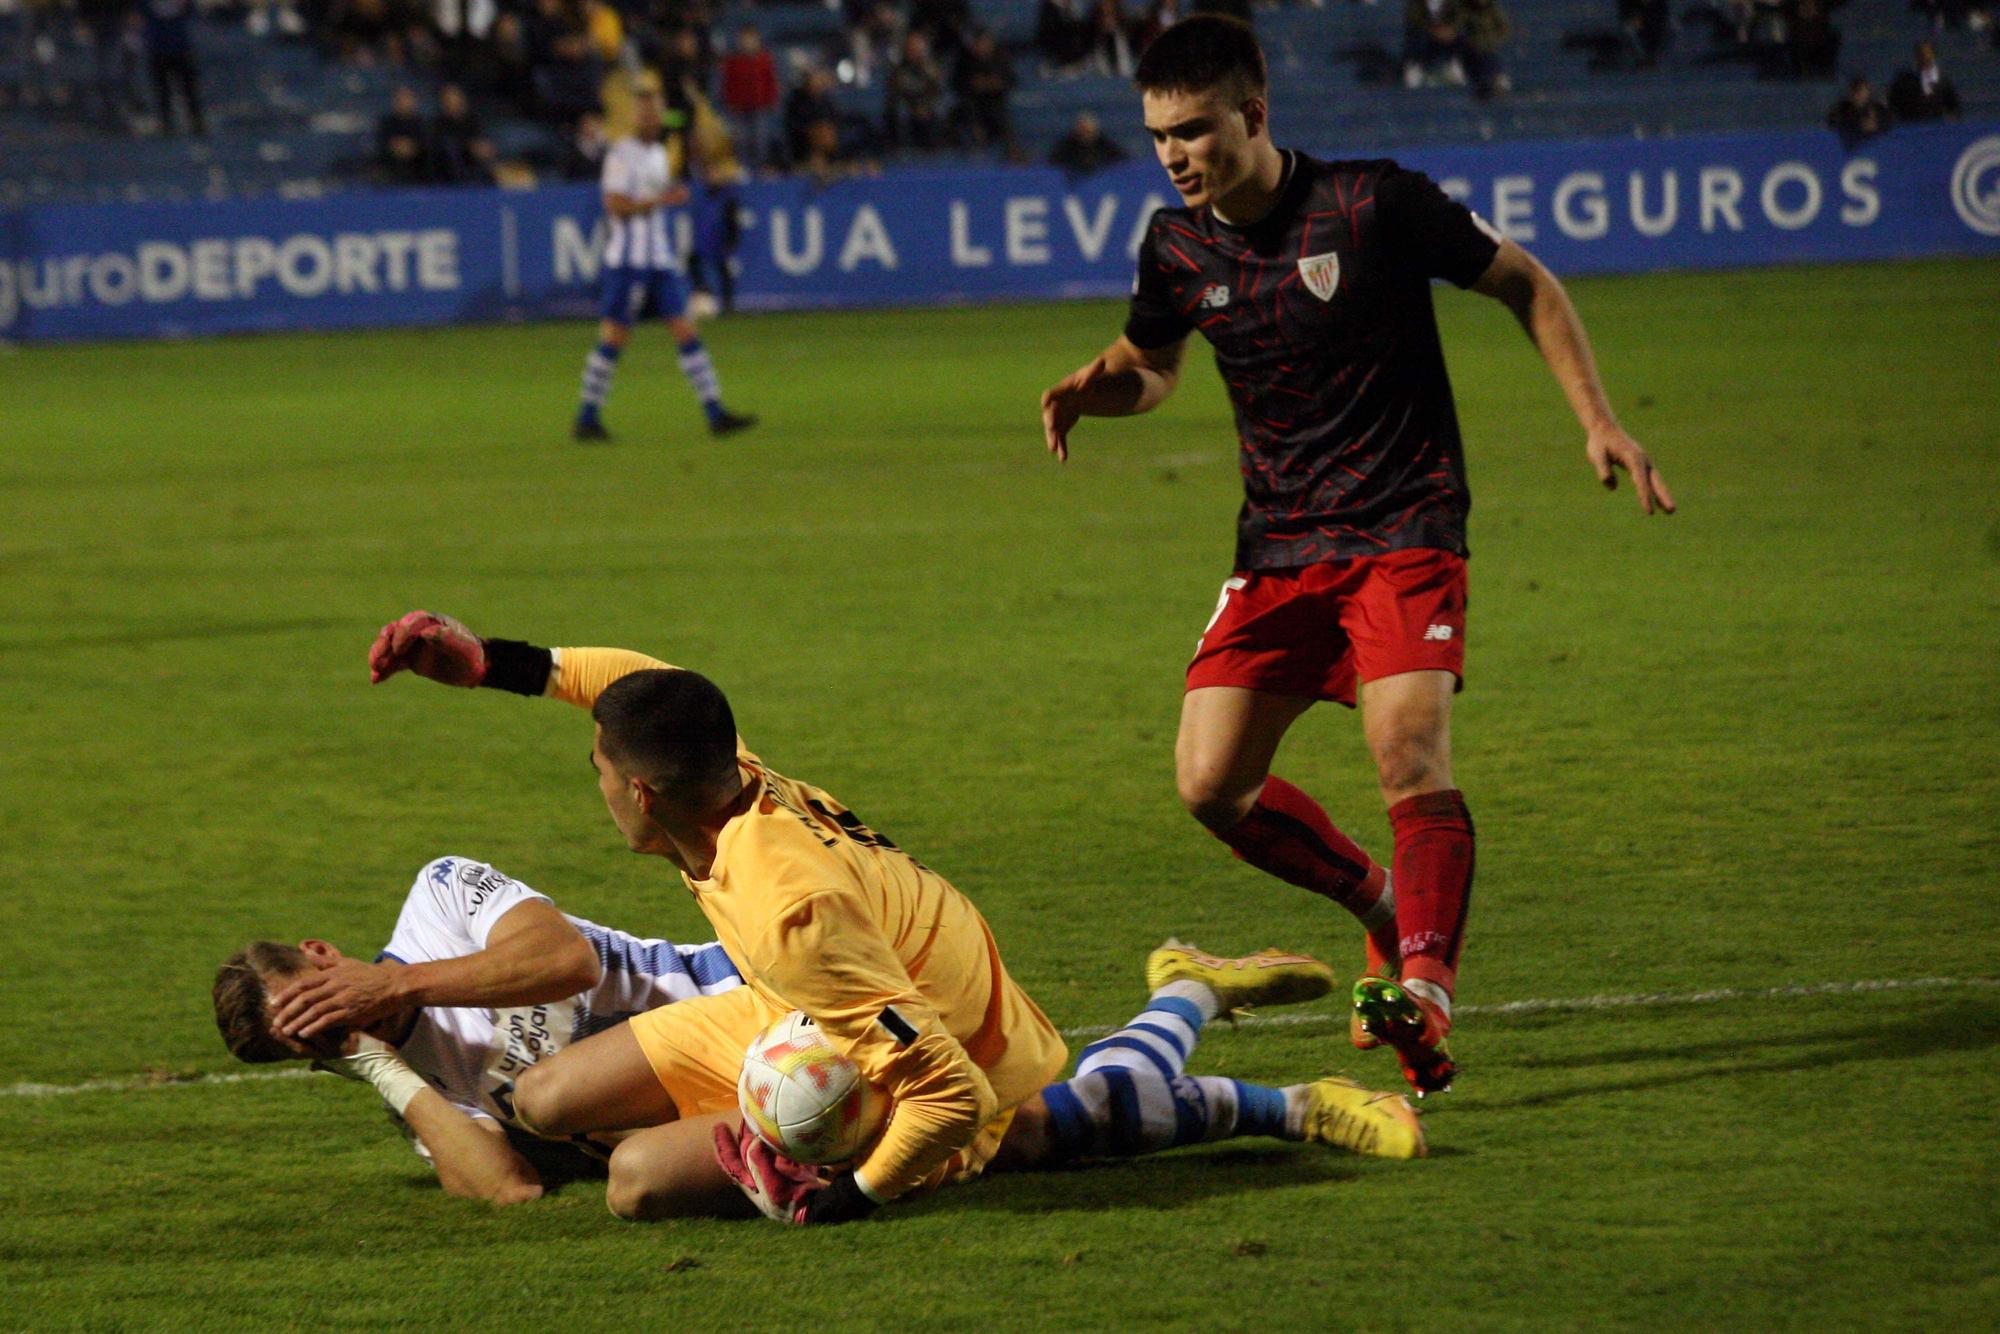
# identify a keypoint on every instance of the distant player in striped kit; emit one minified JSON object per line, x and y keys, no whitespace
{"x":641,"y":275}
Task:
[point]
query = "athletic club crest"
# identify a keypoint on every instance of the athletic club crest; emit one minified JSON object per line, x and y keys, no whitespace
{"x":1322,"y":274}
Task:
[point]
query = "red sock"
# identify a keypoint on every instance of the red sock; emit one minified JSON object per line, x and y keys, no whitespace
{"x":1433,"y":871}
{"x":1287,"y":835}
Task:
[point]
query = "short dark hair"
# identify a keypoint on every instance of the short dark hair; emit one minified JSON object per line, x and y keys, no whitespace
{"x":240,"y":1000}
{"x":1205,"y":53}
{"x":668,"y":726}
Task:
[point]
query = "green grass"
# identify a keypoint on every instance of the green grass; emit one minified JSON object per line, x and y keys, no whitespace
{"x":1750,"y":747}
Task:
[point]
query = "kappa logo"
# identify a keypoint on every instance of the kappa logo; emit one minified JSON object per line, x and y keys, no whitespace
{"x":1321,"y":274}
{"x":1215,"y":296}
{"x":1975,"y":186}
{"x":1439,"y":633}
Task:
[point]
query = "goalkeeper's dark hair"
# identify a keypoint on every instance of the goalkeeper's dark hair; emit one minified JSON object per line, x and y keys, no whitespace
{"x":241,"y":1005}
{"x":1206,"y":53}
{"x":670,"y":727}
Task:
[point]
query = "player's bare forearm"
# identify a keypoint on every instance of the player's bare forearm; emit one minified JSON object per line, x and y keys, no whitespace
{"x":1123,"y":381}
{"x":1538,"y":300}
{"x":630,"y":206}
{"x":533,"y":955}
{"x":471,"y":1161}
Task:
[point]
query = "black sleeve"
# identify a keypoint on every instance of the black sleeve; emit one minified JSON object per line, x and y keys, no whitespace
{"x":516,"y":666}
{"x":1431,"y":230}
{"x":1155,"y":318}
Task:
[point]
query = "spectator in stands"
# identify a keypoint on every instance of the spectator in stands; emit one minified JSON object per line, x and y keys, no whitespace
{"x":809,"y":102}
{"x":288,"y":22}
{"x":1812,"y":43}
{"x":1085,"y":149}
{"x":461,"y":154}
{"x":106,"y":24}
{"x":1648,"y":27}
{"x":684,"y":78}
{"x":1860,"y":115}
{"x":1110,"y":39}
{"x":947,"y":24}
{"x":1922,"y":92}
{"x":827,"y":158}
{"x":562,"y":69}
{"x":874,"y":29}
{"x":402,"y":150}
{"x":1239,"y":10}
{"x":170,"y":55}
{"x":1459,"y":38}
{"x":498,"y":67}
{"x":583,"y":150}
{"x":750,"y":94}
{"x":367,"y":32}
{"x":1063,"y":37}
{"x":1973,"y":15}
{"x":984,"y":80}
{"x":1487,"y":29}
{"x":915,"y":88}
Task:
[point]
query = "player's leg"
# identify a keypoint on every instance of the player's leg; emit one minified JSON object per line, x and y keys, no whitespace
{"x":1222,"y":759}
{"x":671,"y":1171}
{"x":695,"y":362}
{"x":1131,"y":1095}
{"x":613,"y":331}
{"x":1409,"y":639}
{"x":604,"y":1082}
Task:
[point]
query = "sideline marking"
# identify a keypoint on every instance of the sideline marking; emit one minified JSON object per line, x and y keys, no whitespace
{"x":1552,"y":1005}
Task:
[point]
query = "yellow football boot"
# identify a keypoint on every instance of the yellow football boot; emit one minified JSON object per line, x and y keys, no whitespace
{"x":1268,"y":977}
{"x":1342,"y":1113}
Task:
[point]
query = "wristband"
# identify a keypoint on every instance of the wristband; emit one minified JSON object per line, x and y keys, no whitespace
{"x":841,"y":1200}
{"x":515,"y":666}
{"x":385,"y":1071}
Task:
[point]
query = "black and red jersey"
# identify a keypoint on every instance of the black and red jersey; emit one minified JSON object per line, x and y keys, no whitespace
{"x":1321,"y":319}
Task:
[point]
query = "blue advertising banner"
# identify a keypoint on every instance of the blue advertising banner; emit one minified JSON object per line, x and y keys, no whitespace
{"x":371,"y":259}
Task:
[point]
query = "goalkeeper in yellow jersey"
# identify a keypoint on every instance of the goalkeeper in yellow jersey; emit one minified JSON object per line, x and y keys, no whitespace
{"x":822,"y":914}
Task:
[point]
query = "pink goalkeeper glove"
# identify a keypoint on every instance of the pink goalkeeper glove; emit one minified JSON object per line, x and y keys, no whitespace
{"x":430,"y":645}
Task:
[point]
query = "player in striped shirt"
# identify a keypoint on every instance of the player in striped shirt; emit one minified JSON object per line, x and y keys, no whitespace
{"x":481,"y":979}
{"x":641,"y":274}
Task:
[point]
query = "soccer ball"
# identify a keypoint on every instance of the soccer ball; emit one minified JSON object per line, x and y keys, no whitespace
{"x":803,"y":1097}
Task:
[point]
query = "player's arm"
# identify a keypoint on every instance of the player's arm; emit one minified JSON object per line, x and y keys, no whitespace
{"x":533,"y":954}
{"x":1520,"y":282}
{"x":472,"y":1157}
{"x":827,"y":956}
{"x":1122,"y":381}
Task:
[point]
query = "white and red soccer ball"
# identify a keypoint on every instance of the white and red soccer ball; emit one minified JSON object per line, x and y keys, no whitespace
{"x":803,"y":1096}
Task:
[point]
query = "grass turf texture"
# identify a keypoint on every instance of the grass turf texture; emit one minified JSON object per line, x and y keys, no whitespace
{"x":1749,"y":746}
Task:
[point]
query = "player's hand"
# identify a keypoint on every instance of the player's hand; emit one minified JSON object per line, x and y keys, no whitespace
{"x":430,"y":645}
{"x":673,"y":196}
{"x":1062,"y":405}
{"x":1610,"y":449}
{"x":780,"y":1188}
{"x":350,"y":994}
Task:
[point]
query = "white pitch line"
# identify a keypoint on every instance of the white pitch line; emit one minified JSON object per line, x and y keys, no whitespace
{"x":1547,"y":1005}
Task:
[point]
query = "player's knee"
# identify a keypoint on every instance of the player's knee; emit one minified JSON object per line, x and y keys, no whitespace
{"x":1214,"y":798}
{"x":645,"y":1183}
{"x":538,"y":1101}
{"x":1408,"y":762}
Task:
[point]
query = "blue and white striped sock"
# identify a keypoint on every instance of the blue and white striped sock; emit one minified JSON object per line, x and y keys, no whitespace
{"x":597,"y":372}
{"x":1129,"y":1095}
{"x":700,"y":372}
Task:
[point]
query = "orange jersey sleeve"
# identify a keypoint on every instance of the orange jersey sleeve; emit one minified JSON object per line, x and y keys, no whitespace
{"x":826,"y":954}
{"x":580,"y":675}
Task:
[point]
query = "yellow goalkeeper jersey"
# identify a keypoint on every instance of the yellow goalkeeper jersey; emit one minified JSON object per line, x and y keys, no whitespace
{"x":824,"y":915}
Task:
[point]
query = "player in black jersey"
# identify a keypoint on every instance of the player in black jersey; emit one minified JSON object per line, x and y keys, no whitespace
{"x":1312,"y":281}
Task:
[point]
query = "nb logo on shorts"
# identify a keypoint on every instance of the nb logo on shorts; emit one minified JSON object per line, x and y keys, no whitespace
{"x":1215,"y":296}
{"x":1439,"y":633}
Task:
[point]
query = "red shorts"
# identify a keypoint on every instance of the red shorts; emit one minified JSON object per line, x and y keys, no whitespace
{"x":1316,"y":630}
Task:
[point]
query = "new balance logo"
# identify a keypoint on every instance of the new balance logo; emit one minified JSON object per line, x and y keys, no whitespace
{"x":1437,"y":632}
{"x":1215,"y":297}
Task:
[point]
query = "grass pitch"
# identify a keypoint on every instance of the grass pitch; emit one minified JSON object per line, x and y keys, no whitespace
{"x":1751,"y":747}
